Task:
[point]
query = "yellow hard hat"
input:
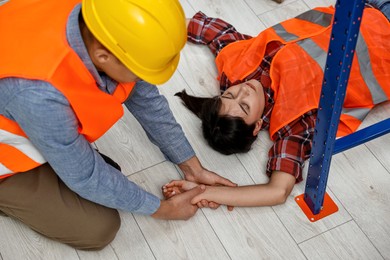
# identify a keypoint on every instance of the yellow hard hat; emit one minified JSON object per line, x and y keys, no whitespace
{"x":145,"y":35}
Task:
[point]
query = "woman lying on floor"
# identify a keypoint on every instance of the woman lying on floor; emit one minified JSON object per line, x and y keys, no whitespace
{"x":273,"y":82}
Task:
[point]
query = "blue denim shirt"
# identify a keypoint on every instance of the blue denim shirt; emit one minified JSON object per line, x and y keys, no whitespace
{"x":48,"y":120}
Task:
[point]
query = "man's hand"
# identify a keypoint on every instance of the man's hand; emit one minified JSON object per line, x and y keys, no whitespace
{"x":179,"y":207}
{"x":195,"y":172}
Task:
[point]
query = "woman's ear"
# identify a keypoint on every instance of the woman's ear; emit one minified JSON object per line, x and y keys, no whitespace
{"x":258,"y":125}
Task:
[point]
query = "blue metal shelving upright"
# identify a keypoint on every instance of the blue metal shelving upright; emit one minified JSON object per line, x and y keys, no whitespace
{"x":345,"y":32}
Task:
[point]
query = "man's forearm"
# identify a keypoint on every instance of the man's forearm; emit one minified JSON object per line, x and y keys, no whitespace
{"x":152,"y":111}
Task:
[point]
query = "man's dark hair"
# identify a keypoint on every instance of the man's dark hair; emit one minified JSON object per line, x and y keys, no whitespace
{"x":225,"y":134}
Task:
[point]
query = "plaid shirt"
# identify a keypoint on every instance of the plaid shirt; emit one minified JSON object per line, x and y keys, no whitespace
{"x":292,"y":144}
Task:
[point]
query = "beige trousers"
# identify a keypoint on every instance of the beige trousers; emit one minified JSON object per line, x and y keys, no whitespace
{"x":39,"y":199}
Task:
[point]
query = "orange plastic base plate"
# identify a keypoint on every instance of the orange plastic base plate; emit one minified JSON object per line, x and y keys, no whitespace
{"x":328,"y":208}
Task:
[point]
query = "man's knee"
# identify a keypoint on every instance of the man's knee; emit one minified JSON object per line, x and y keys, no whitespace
{"x":98,"y":232}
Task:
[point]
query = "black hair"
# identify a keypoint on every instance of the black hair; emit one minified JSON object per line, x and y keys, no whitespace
{"x":225,"y":134}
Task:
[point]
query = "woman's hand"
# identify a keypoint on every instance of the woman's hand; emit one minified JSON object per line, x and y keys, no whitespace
{"x":177,"y":187}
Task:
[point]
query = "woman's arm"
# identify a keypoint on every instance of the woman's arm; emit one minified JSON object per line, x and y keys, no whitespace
{"x":272,"y":193}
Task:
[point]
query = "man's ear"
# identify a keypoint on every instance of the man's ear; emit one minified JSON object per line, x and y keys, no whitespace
{"x":258,"y":125}
{"x":101,"y":55}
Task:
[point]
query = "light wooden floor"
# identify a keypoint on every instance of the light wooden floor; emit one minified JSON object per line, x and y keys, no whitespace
{"x":359,"y":180}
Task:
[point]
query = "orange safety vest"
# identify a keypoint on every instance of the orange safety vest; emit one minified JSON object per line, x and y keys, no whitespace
{"x":33,"y":46}
{"x":297,"y":69}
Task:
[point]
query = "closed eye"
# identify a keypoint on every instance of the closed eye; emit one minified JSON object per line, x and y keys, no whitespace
{"x":244,"y":108}
{"x":228,"y":95}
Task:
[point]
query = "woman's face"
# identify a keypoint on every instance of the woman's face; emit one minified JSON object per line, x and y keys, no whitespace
{"x":245,"y":100}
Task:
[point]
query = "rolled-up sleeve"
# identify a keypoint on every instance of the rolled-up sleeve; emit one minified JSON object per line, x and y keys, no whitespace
{"x":292,"y":146}
{"x":213,"y":32}
{"x":152,"y":111}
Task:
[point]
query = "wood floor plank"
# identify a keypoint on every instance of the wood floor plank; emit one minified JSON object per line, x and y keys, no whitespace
{"x":201,"y":78}
{"x":235,"y":12}
{"x":255,"y":161}
{"x":289,"y":10}
{"x":253,"y":233}
{"x":188,"y":9}
{"x":127,"y":143}
{"x":191,"y":239}
{"x":263,"y":6}
{"x":297,"y":222}
{"x":315,"y":3}
{"x":130,"y":242}
{"x":105,"y":253}
{"x":344,"y":242}
{"x":362,"y":184}
{"x":17,"y":241}
{"x":380,"y":146}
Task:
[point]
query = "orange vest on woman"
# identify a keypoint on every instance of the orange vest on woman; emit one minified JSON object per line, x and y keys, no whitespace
{"x":33,"y":46}
{"x":297,"y":69}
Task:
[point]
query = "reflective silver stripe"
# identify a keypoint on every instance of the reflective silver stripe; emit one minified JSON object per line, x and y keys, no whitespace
{"x":320,"y":56}
{"x":314,"y":51}
{"x":3,"y":2}
{"x":4,"y":170}
{"x":282,"y":33}
{"x":22,"y":144}
{"x":359,"y":113}
{"x":317,"y":17}
{"x":313,"y":16}
{"x":377,"y":93}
